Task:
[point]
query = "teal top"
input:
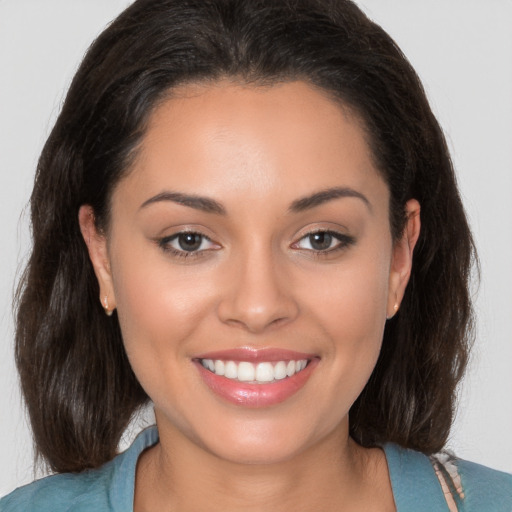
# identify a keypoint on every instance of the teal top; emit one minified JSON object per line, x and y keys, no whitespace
{"x":110,"y":488}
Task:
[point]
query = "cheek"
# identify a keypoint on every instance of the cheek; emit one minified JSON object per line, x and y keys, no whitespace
{"x":159,"y":304}
{"x":352,"y":315}
{"x":351,"y":302}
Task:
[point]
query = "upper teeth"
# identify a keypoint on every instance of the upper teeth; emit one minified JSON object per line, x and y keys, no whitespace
{"x":245,"y":371}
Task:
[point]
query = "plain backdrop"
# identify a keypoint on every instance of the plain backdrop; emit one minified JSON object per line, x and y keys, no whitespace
{"x":463,"y":52}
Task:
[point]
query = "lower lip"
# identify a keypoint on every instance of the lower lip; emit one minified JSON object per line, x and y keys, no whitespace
{"x":256,"y":395}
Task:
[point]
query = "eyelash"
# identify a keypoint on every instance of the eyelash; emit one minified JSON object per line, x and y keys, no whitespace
{"x":164,"y":242}
{"x":344,"y":241}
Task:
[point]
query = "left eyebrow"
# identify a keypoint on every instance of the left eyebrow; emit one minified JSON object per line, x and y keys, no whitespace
{"x":323,"y":196}
{"x":204,"y":204}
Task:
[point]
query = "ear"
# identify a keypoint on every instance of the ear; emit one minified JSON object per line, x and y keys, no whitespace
{"x":401,"y":263}
{"x":97,"y":246}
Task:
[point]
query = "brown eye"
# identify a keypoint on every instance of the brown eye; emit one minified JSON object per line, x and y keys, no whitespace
{"x":189,"y":241}
{"x":324,"y":242}
{"x":321,"y":241}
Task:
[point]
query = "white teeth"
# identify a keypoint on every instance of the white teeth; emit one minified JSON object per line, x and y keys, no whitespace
{"x":208,"y":364}
{"x":219,"y":367}
{"x":231,"y":370}
{"x":245,"y":371}
{"x":264,"y":372}
{"x":280,"y":370}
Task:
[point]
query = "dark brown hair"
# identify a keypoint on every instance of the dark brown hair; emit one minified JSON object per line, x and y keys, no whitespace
{"x":78,"y":385}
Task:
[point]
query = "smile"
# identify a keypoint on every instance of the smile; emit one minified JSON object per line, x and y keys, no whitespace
{"x":255,"y":378}
{"x":255,"y":373}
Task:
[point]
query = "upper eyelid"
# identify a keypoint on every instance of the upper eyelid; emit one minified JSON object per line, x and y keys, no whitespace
{"x":322,"y":230}
{"x":185,"y":231}
{"x":331,"y":231}
{"x":344,"y":240}
{"x":174,"y":236}
{"x":167,"y":239}
{"x":323,"y":227}
{"x":341,"y":237}
{"x":171,"y":229}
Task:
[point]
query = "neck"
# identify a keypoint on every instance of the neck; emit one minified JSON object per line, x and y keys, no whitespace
{"x":178,"y":475}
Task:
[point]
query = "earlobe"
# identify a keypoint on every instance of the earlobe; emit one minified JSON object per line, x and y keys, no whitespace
{"x":96,"y":244}
{"x":401,"y":264}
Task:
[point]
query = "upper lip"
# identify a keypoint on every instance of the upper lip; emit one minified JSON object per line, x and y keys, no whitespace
{"x":256,"y":355}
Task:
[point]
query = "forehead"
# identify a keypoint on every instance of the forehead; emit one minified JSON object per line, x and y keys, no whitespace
{"x":228,"y":139}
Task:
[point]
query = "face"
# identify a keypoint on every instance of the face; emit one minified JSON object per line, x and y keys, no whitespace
{"x":251,"y":263}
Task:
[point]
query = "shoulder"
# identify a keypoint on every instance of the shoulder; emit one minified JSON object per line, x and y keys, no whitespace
{"x":106,"y":489}
{"x":483,"y":487}
{"x":59,"y":493}
{"x":444,"y":478}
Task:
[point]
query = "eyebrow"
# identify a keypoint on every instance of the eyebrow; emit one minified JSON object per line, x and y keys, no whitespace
{"x":323,"y":196}
{"x":209,"y":205}
{"x":204,"y":204}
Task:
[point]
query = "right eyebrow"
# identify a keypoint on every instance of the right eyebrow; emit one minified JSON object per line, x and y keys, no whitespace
{"x":204,"y":204}
{"x":323,"y":196}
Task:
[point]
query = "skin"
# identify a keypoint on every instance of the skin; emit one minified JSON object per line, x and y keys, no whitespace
{"x":257,"y":284}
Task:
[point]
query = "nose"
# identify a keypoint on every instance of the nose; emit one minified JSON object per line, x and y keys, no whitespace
{"x":257,"y":294}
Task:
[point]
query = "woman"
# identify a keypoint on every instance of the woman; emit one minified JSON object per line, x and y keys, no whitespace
{"x":241,"y":215}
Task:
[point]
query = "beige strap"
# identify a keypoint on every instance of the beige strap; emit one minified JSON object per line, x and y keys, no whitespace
{"x":445,"y":467}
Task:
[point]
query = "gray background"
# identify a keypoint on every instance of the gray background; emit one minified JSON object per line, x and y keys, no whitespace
{"x":463,"y":52}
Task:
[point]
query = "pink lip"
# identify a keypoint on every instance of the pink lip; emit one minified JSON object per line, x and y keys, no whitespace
{"x":256,"y":395}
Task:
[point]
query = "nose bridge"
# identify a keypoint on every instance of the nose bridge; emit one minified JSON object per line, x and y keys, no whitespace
{"x":257,"y":296}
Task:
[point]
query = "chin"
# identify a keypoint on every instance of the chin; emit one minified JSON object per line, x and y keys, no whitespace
{"x":266,"y":441}
{"x":258,"y":452}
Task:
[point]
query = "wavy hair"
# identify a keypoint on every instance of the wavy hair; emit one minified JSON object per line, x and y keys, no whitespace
{"x":77,"y":382}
